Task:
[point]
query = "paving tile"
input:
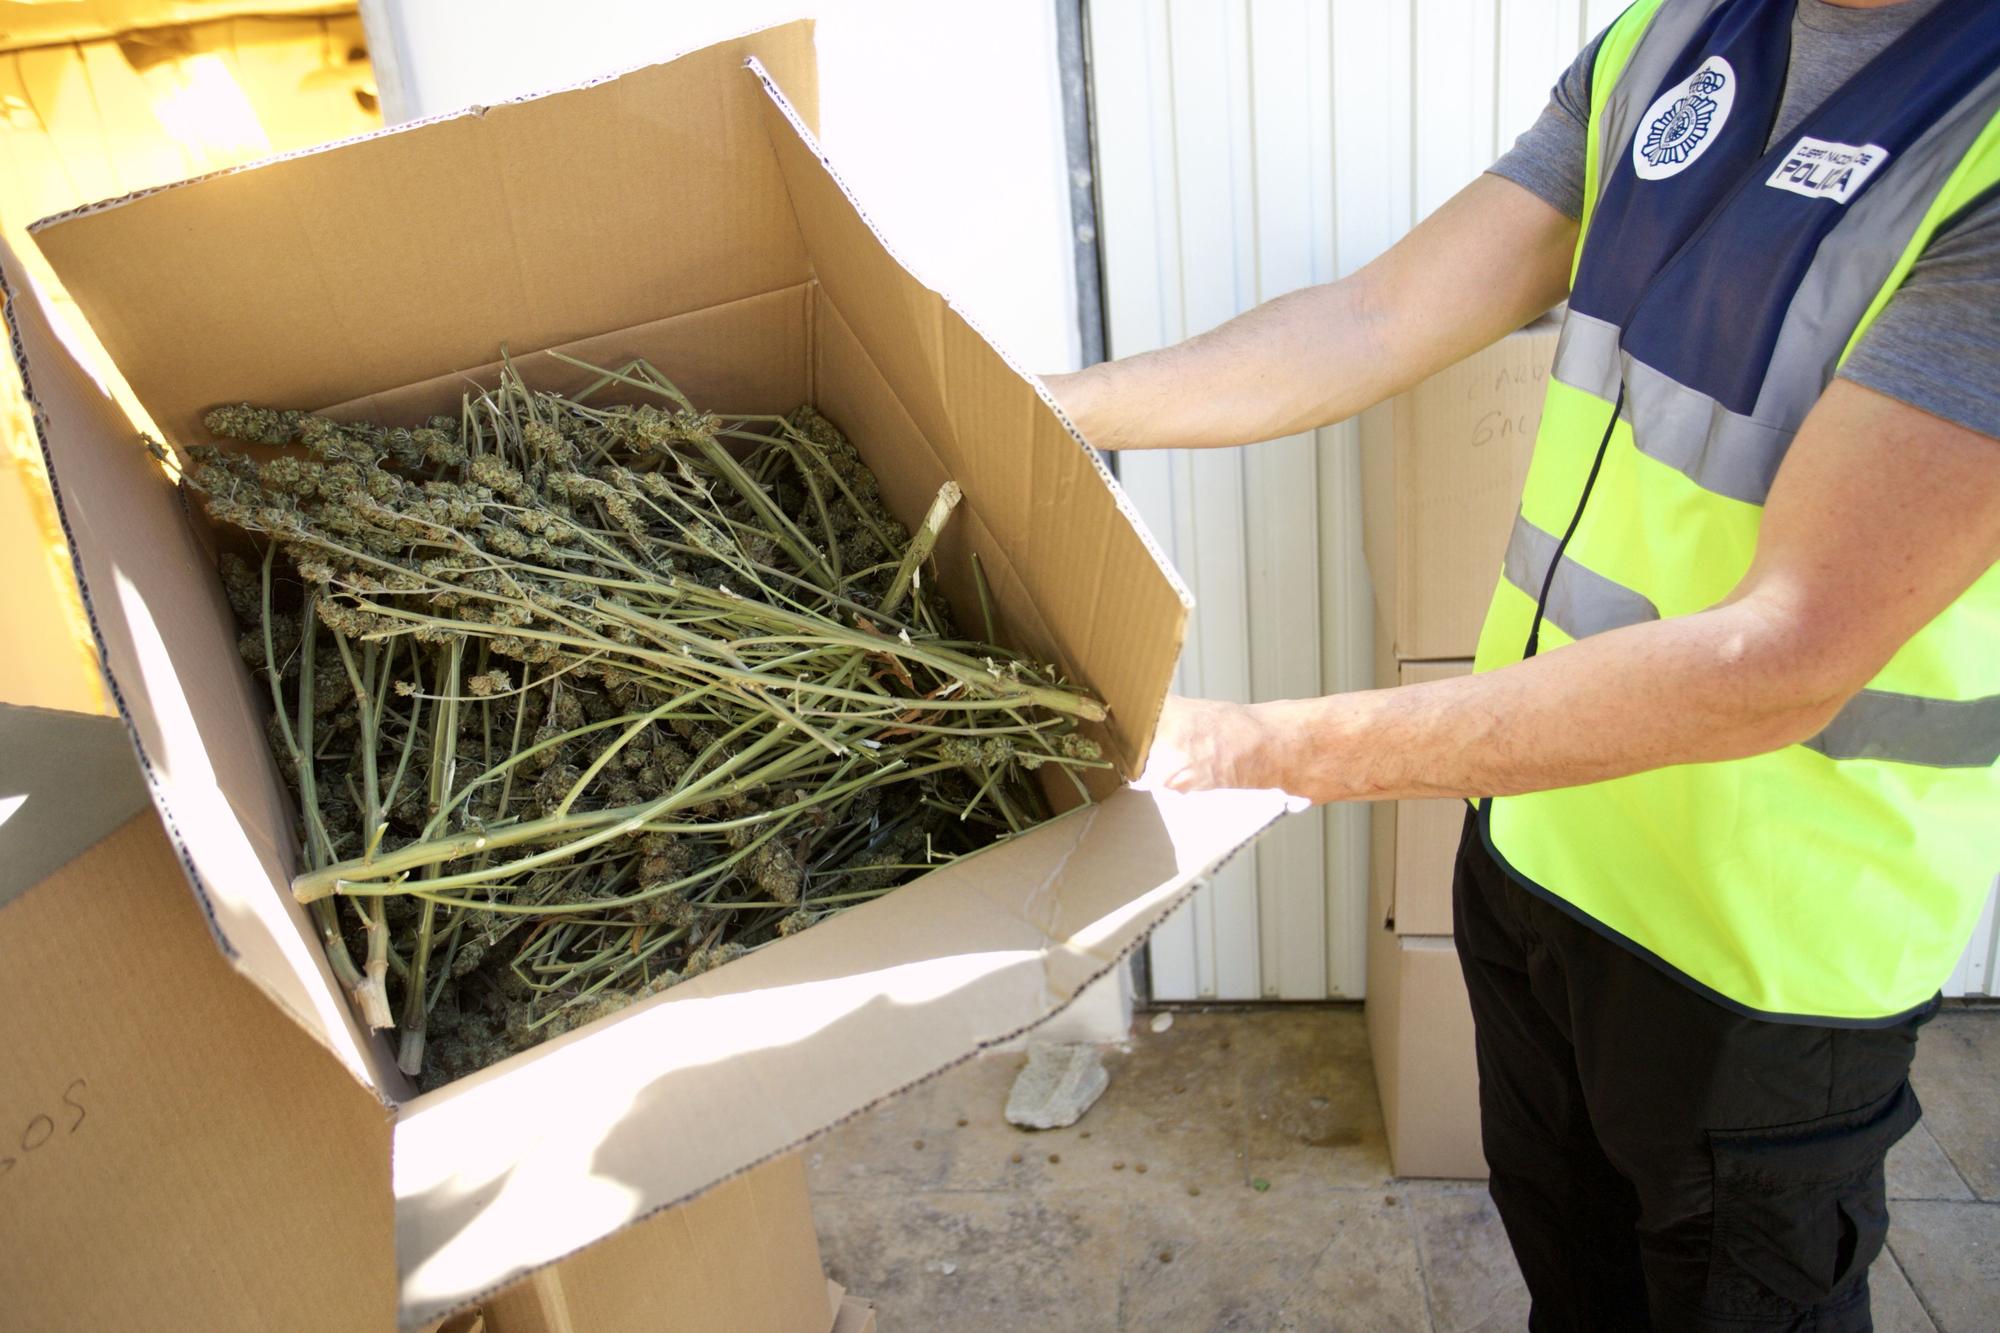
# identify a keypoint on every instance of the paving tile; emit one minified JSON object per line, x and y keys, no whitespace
{"x":1469,"y":1269}
{"x":1287,"y":1097}
{"x":1314,"y":1115}
{"x":1174,"y":1106}
{"x":978,"y":1262}
{"x":1895,"y":1305}
{"x":1240,"y":1261}
{"x":1957,"y":1070}
{"x":878,"y":1151}
{"x":1918,"y":1169}
{"x":1951,"y":1254}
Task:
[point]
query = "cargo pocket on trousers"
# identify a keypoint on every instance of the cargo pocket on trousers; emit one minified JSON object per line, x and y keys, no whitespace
{"x":1801,"y":1209}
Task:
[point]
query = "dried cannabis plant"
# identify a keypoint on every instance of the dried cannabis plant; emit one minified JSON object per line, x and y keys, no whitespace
{"x":578,"y":700}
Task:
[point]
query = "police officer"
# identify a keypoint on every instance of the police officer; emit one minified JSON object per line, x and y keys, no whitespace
{"x":1731,"y":747}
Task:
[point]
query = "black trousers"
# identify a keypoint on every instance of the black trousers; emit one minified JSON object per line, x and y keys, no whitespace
{"x":1659,"y":1160}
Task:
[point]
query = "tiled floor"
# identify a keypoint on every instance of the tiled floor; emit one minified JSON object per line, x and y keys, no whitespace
{"x":1234,"y":1176}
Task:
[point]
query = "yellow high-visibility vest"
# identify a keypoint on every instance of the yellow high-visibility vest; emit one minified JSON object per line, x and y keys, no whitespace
{"x":1719,"y":283}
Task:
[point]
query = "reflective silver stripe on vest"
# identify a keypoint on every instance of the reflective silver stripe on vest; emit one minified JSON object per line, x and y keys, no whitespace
{"x":1587,"y":355}
{"x":1857,"y":257}
{"x":1719,"y":450}
{"x":1910,"y":729}
{"x":1582,"y":602}
{"x":1668,"y":32}
{"x":1875,"y":724}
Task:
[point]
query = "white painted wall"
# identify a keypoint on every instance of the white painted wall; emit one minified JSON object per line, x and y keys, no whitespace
{"x":1978,"y":972}
{"x":945,"y":118}
{"x":1247,"y":148}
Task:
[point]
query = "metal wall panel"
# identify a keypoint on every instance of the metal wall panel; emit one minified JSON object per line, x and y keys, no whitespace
{"x":1248,"y":148}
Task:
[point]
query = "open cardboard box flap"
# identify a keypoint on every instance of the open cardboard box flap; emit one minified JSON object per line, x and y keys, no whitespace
{"x":684,"y":213}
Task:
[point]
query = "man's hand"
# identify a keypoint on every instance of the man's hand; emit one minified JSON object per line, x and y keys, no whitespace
{"x":1202,"y":744}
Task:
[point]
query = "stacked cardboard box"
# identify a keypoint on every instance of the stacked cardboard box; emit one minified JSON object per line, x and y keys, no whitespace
{"x":1442,"y":468}
{"x":175,"y":1154}
{"x":683,"y":213}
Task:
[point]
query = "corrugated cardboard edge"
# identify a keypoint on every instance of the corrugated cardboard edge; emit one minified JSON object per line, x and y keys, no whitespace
{"x":389,"y":1095}
{"x":1118,"y":495}
{"x":155,"y":790}
{"x":476,"y":110}
{"x":82,"y":801}
{"x":423,"y":1316}
{"x":9,"y":300}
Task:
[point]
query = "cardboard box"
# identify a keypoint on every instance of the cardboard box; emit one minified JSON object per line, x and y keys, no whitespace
{"x":856,"y":1316}
{"x":174,"y":1153}
{"x":1411,"y":881}
{"x":1420,"y":1031}
{"x":153,"y":1177}
{"x":1442,"y":467}
{"x":1419,"y":1018}
{"x":683,"y":213}
{"x":742,"y":1256}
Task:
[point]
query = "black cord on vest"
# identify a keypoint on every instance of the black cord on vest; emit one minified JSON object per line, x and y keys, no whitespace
{"x":1589,"y":483}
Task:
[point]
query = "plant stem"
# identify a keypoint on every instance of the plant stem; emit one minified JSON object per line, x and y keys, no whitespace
{"x":921,"y":542}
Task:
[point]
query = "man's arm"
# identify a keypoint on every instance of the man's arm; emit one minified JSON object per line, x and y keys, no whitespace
{"x":1491,"y":259}
{"x":1881,"y":516}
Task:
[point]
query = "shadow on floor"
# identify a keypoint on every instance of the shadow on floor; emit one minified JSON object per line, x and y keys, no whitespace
{"x":1235,"y":1176}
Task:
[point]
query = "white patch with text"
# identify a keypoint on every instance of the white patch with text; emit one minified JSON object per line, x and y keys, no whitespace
{"x":1819,"y":169}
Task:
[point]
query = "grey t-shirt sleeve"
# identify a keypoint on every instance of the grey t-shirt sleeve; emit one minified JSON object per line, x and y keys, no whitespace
{"x":1548,"y":157}
{"x":1936,"y":344}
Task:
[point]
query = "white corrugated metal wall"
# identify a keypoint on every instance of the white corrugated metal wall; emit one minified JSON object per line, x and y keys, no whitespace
{"x":1247,"y":148}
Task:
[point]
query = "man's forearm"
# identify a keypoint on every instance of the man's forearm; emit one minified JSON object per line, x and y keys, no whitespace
{"x":1719,"y":685}
{"x":1493,"y":257}
{"x":1880,"y":519}
{"x":1263,"y":375}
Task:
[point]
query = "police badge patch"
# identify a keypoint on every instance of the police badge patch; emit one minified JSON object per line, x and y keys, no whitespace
{"x":1683,"y":121}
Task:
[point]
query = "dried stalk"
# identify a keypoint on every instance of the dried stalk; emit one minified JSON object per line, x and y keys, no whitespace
{"x":622,"y":691}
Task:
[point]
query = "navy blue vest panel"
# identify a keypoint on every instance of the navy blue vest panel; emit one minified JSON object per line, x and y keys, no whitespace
{"x":1638,"y":225}
{"x":1720,"y":250}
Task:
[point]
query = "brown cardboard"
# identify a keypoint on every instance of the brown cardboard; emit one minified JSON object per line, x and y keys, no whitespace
{"x":681,"y":204}
{"x":742,"y":1257}
{"x":1442,"y":467}
{"x":465,"y":1321}
{"x":149,"y":1178}
{"x":173,"y":1152}
{"x":856,"y":1316}
{"x":1420,"y":1031}
{"x":50,"y":812}
{"x":1426,"y":839}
